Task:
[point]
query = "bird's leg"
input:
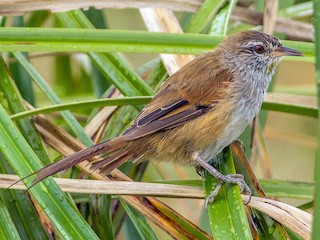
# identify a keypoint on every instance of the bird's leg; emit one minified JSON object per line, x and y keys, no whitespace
{"x":231,"y":178}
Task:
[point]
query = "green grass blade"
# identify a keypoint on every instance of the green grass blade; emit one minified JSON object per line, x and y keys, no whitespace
{"x":63,"y":74}
{"x":140,"y":100}
{"x":22,"y":79}
{"x":67,"y":220}
{"x":316,"y":213}
{"x":14,"y":100}
{"x":97,"y":40}
{"x":108,"y":64}
{"x":142,"y":226}
{"x":294,"y":108}
{"x":227,"y":216}
{"x":100,"y":215}
{"x":203,"y":16}
{"x":267,"y":228}
{"x":287,"y":189}
{"x":99,"y":82}
{"x":219,"y":25}
{"x":23,"y":82}
{"x":7,"y":228}
{"x":19,"y":203}
{"x":37,"y":18}
{"x":20,"y":208}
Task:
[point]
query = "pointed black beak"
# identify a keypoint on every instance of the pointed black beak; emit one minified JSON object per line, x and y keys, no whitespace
{"x":285,"y":51}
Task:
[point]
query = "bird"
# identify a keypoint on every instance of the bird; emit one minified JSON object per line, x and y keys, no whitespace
{"x":196,"y":113}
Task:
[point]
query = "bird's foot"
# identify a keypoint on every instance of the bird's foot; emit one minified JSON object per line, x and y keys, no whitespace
{"x":231,"y":178}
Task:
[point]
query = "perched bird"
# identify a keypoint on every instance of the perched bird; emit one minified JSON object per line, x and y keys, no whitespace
{"x":197,"y":112}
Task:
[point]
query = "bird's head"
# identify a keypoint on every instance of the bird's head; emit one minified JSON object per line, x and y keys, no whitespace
{"x":255,"y":51}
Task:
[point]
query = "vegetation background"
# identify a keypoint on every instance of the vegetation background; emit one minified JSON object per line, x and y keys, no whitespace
{"x":90,"y":84}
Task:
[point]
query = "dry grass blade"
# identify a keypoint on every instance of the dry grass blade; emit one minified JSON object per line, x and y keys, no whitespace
{"x":164,"y":20}
{"x":295,"y":219}
{"x":153,"y":209}
{"x":270,"y":15}
{"x":113,"y":187}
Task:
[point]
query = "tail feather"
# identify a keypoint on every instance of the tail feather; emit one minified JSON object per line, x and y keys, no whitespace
{"x":108,"y":160}
{"x":113,"y":148}
{"x":107,"y":168}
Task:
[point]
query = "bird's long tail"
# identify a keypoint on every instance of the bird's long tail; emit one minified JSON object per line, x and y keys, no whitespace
{"x":115,"y":152}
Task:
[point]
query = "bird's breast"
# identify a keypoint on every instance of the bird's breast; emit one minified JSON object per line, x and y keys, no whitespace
{"x":240,"y":111}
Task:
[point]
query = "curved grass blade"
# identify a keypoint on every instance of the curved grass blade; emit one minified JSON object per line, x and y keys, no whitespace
{"x":140,"y":100}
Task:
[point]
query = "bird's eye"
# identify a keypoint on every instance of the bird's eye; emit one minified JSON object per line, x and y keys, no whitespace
{"x":259,"y":49}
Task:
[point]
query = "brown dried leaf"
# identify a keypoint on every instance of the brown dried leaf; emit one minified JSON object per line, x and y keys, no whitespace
{"x":300,"y":222}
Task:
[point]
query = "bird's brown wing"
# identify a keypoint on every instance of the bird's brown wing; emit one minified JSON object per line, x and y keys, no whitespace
{"x":163,"y":118}
{"x":181,"y":99}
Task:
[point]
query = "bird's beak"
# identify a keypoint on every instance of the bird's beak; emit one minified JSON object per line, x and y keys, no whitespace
{"x":285,"y":51}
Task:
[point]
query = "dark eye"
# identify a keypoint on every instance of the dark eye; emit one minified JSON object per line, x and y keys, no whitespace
{"x":259,"y":49}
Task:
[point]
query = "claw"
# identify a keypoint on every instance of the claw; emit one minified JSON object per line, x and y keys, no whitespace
{"x":210,"y":198}
{"x":198,"y":170}
{"x":231,"y":178}
{"x":207,"y":201}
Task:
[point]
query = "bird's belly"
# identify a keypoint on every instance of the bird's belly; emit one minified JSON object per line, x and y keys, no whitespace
{"x":241,"y":116}
{"x":229,"y":135}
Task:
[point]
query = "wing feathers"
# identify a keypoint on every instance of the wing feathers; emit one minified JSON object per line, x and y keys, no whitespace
{"x":160,"y":112}
{"x":165,"y":123}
